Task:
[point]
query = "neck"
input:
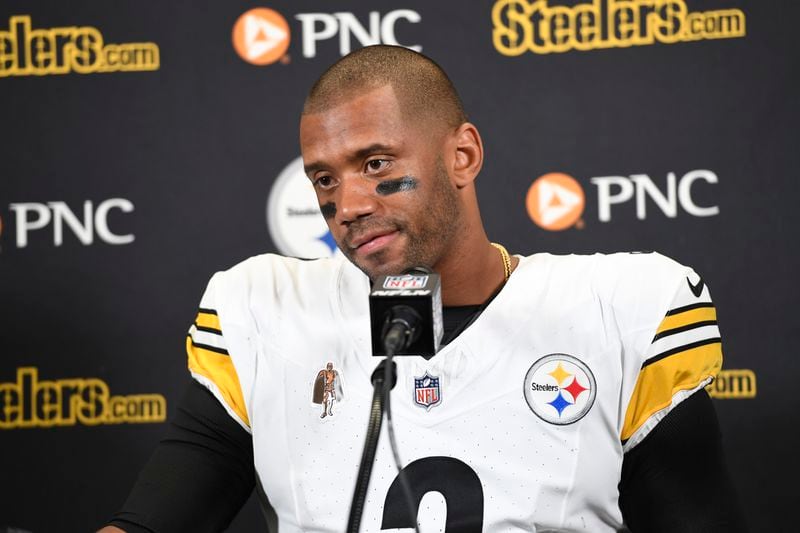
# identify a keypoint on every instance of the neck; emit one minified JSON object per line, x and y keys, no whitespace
{"x":472,"y":272}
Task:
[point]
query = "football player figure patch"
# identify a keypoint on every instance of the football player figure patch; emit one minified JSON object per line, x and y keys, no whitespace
{"x":327,"y":389}
{"x":560,"y":388}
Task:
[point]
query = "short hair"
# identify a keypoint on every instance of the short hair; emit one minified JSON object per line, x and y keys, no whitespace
{"x":421,"y":86}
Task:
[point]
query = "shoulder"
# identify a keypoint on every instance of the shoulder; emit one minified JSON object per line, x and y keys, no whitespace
{"x":277,"y":270}
{"x":270,"y":265}
{"x":608,"y":270}
{"x":637,"y":286}
{"x":262,"y":282}
{"x":632,"y":276}
{"x":647,"y":265}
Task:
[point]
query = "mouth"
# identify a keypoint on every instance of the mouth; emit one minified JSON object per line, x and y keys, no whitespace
{"x":373,"y":241}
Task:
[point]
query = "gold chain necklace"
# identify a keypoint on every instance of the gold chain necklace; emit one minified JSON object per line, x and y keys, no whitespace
{"x":506,"y":260}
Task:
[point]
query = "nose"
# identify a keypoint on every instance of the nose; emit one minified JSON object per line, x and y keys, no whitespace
{"x":356,"y":199}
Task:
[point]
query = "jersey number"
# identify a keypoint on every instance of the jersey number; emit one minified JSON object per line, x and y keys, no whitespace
{"x":455,"y":480}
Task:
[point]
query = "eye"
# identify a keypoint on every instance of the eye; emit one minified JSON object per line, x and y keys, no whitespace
{"x":375,"y":166}
{"x":323,"y":182}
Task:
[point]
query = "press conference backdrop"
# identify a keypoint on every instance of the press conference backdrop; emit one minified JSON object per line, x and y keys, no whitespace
{"x":146,"y":145}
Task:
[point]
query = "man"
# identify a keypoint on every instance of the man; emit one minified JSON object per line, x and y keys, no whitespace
{"x":569,"y":391}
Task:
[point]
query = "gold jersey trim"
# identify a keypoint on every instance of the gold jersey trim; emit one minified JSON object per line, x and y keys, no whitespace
{"x":687,"y":318}
{"x":218,"y":368}
{"x":661,"y":380}
{"x":208,"y":319}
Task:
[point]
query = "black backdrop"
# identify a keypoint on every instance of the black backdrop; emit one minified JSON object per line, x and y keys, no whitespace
{"x":132,"y":175}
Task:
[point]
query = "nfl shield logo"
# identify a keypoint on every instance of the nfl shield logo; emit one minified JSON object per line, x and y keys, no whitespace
{"x":427,"y":392}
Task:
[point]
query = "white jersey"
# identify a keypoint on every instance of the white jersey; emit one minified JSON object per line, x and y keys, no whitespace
{"x":518,"y":424}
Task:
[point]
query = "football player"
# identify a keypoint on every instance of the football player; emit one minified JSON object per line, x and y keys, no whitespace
{"x":570,"y":391}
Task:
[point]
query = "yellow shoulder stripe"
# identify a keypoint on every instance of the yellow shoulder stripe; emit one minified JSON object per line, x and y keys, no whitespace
{"x":208,"y":320}
{"x":660,"y":381}
{"x":685,"y":318}
{"x":220,"y":370}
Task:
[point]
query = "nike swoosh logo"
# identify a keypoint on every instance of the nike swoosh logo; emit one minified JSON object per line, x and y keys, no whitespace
{"x":697,"y":290}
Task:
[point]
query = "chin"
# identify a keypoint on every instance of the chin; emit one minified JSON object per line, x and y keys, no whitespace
{"x":375,"y":267}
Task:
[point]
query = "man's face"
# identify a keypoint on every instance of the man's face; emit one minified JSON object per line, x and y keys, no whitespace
{"x":381,"y":183}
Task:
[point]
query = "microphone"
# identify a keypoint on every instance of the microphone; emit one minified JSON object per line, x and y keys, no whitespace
{"x":405,"y":319}
{"x":406,"y":313}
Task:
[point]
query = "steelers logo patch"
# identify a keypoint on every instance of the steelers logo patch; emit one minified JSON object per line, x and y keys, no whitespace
{"x":560,"y":388}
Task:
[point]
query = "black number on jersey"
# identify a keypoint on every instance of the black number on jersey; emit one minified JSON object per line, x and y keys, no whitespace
{"x":454,"y":479}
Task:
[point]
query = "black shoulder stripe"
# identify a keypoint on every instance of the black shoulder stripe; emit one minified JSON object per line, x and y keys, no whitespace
{"x":207,"y":329}
{"x":208,"y":347}
{"x":207,"y":311}
{"x":681,"y":329}
{"x":680,"y":349}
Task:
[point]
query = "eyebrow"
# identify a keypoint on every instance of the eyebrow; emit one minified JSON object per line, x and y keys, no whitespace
{"x":361,"y":153}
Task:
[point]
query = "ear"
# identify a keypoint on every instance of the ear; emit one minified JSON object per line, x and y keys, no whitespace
{"x":468,"y":151}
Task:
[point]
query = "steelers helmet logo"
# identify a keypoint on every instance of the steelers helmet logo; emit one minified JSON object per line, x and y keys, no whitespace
{"x":295,"y":224}
{"x":560,"y":388}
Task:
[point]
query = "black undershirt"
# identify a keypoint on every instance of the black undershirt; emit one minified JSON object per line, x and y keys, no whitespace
{"x":202,"y":472}
{"x":456,"y":319}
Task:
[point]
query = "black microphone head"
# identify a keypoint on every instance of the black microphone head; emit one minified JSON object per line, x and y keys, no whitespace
{"x":419,"y":289}
{"x":401,"y":328}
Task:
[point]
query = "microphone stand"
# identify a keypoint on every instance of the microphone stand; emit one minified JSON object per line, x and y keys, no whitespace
{"x":401,"y":329}
{"x":383,"y":375}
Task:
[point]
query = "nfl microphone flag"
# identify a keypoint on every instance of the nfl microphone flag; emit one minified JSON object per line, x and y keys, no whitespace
{"x":421,"y":291}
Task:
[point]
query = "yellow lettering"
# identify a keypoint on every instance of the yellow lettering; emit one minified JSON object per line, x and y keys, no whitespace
{"x":733,"y":384}
{"x":43,"y":52}
{"x":623,"y":23}
{"x":20,"y":28}
{"x":85,"y":49}
{"x":513,"y":33}
{"x":562,"y":28}
{"x":48,"y":402}
{"x":11,"y":411}
{"x":669,"y":20}
{"x":534,"y":26}
{"x":39,"y":52}
{"x":70,"y":389}
{"x":8,"y":54}
{"x":587,"y":28}
{"x":138,"y":408}
{"x":112,"y":58}
{"x":32,"y":403}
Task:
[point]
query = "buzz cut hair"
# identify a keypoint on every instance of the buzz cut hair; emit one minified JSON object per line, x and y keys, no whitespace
{"x":421,"y":86}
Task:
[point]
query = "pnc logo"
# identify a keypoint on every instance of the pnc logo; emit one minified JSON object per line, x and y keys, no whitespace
{"x":261,"y":36}
{"x":555,"y":202}
{"x":87,"y":226}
